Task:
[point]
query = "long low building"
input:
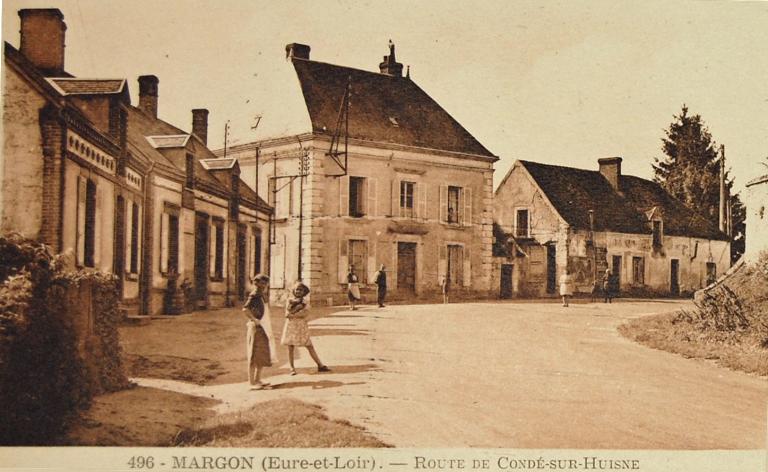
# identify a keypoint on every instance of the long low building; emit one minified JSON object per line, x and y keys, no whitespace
{"x":123,"y":191}
{"x":552,"y":218}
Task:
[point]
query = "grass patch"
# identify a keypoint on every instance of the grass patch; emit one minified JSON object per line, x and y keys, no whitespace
{"x":199,"y":371}
{"x":729,"y":324}
{"x":668,"y":332}
{"x":277,"y":423}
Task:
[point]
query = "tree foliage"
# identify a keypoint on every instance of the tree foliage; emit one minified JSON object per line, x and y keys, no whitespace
{"x":690,"y":171}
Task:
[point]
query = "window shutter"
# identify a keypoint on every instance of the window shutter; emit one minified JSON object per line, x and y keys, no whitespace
{"x":443,"y":208}
{"x":164,"y":225}
{"x":212,"y":250}
{"x":422,"y":189}
{"x":128,"y":232}
{"x":467,"y":191}
{"x":344,"y":195}
{"x":467,"y":272}
{"x":80,"y":230}
{"x":442,"y":261}
{"x":395,"y":197}
{"x":343,"y":264}
{"x":372,"y":197}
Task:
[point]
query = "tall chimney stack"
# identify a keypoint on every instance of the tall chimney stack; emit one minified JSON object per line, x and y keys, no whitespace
{"x":297,"y":51}
{"x":200,"y":124}
{"x":390,"y":66}
{"x":610,"y":168}
{"x":42,"y":39}
{"x":148,"y":85}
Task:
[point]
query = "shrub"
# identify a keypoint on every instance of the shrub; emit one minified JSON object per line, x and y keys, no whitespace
{"x":45,"y":376}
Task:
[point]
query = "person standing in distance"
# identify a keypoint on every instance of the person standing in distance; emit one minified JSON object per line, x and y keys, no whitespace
{"x":381,"y":284}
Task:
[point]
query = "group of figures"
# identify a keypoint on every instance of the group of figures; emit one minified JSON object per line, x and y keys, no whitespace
{"x":261,"y":348}
{"x":607,"y":286}
{"x":380,"y":279}
{"x":353,"y":287}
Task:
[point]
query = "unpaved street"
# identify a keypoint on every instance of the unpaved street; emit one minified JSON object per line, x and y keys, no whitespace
{"x":519,"y":375}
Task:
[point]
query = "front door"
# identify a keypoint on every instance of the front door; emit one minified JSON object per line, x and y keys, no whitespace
{"x":406,"y":266}
{"x":616,"y":270}
{"x":551,"y":268}
{"x":202,"y":232}
{"x":674,"y":277}
{"x":241,"y":262}
{"x":506,"y":280}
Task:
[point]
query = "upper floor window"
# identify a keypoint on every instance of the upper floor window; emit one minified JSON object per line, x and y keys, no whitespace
{"x":454,"y":199}
{"x":522,"y":228}
{"x":406,"y":199}
{"x":356,"y":196}
{"x":657,"y":233}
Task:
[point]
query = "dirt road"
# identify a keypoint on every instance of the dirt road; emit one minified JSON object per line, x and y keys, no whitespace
{"x":518,"y":375}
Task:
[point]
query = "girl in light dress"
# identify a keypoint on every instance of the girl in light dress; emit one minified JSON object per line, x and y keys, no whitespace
{"x":296,"y":329}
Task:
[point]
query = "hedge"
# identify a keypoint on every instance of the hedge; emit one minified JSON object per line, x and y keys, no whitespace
{"x":45,"y":380}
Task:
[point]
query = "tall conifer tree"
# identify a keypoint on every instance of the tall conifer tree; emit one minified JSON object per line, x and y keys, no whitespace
{"x":690,"y":171}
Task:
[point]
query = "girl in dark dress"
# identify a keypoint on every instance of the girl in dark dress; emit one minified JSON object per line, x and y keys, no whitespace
{"x":259,"y":355}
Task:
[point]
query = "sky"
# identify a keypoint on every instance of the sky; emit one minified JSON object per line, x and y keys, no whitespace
{"x":556,"y":82}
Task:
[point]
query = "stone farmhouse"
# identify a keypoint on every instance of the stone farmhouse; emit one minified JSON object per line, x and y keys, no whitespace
{"x":123,"y":191}
{"x":551,"y":218}
{"x":377,"y":173}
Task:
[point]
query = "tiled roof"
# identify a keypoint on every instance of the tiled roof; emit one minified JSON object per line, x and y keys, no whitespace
{"x":574,"y":192}
{"x":383,"y":109}
{"x":170,"y":141}
{"x":75,"y":86}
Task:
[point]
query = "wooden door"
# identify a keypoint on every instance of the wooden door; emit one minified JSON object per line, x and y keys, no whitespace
{"x":506,"y":290}
{"x":202,"y":232}
{"x":674,"y":277}
{"x":406,"y":266}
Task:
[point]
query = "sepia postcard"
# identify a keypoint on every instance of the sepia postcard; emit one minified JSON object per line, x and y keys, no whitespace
{"x":384,"y":236}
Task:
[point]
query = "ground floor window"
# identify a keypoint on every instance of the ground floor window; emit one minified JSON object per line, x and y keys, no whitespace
{"x":358,"y":257}
{"x":86,"y":222}
{"x":169,"y":240}
{"x":638,"y":270}
{"x":133,"y":261}
{"x":217,"y":249}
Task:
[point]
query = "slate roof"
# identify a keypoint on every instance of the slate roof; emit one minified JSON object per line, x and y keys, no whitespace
{"x":574,"y":192}
{"x":75,"y":86}
{"x":383,"y":108}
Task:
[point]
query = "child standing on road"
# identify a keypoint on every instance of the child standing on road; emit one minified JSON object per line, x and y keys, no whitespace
{"x":257,"y":340}
{"x":296,"y":329}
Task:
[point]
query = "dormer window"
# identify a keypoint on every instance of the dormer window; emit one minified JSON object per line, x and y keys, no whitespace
{"x":658,"y":233}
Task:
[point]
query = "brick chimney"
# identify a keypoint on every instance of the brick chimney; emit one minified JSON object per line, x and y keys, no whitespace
{"x":390,"y":66}
{"x":148,"y":94}
{"x":42,"y":39}
{"x":610,"y":168}
{"x":200,"y":124}
{"x":297,"y":51}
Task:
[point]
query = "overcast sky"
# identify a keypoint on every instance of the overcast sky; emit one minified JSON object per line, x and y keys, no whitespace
{"x":556,"y":82}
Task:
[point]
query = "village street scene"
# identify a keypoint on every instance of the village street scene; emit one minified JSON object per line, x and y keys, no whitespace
{"x":340,"y":226}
